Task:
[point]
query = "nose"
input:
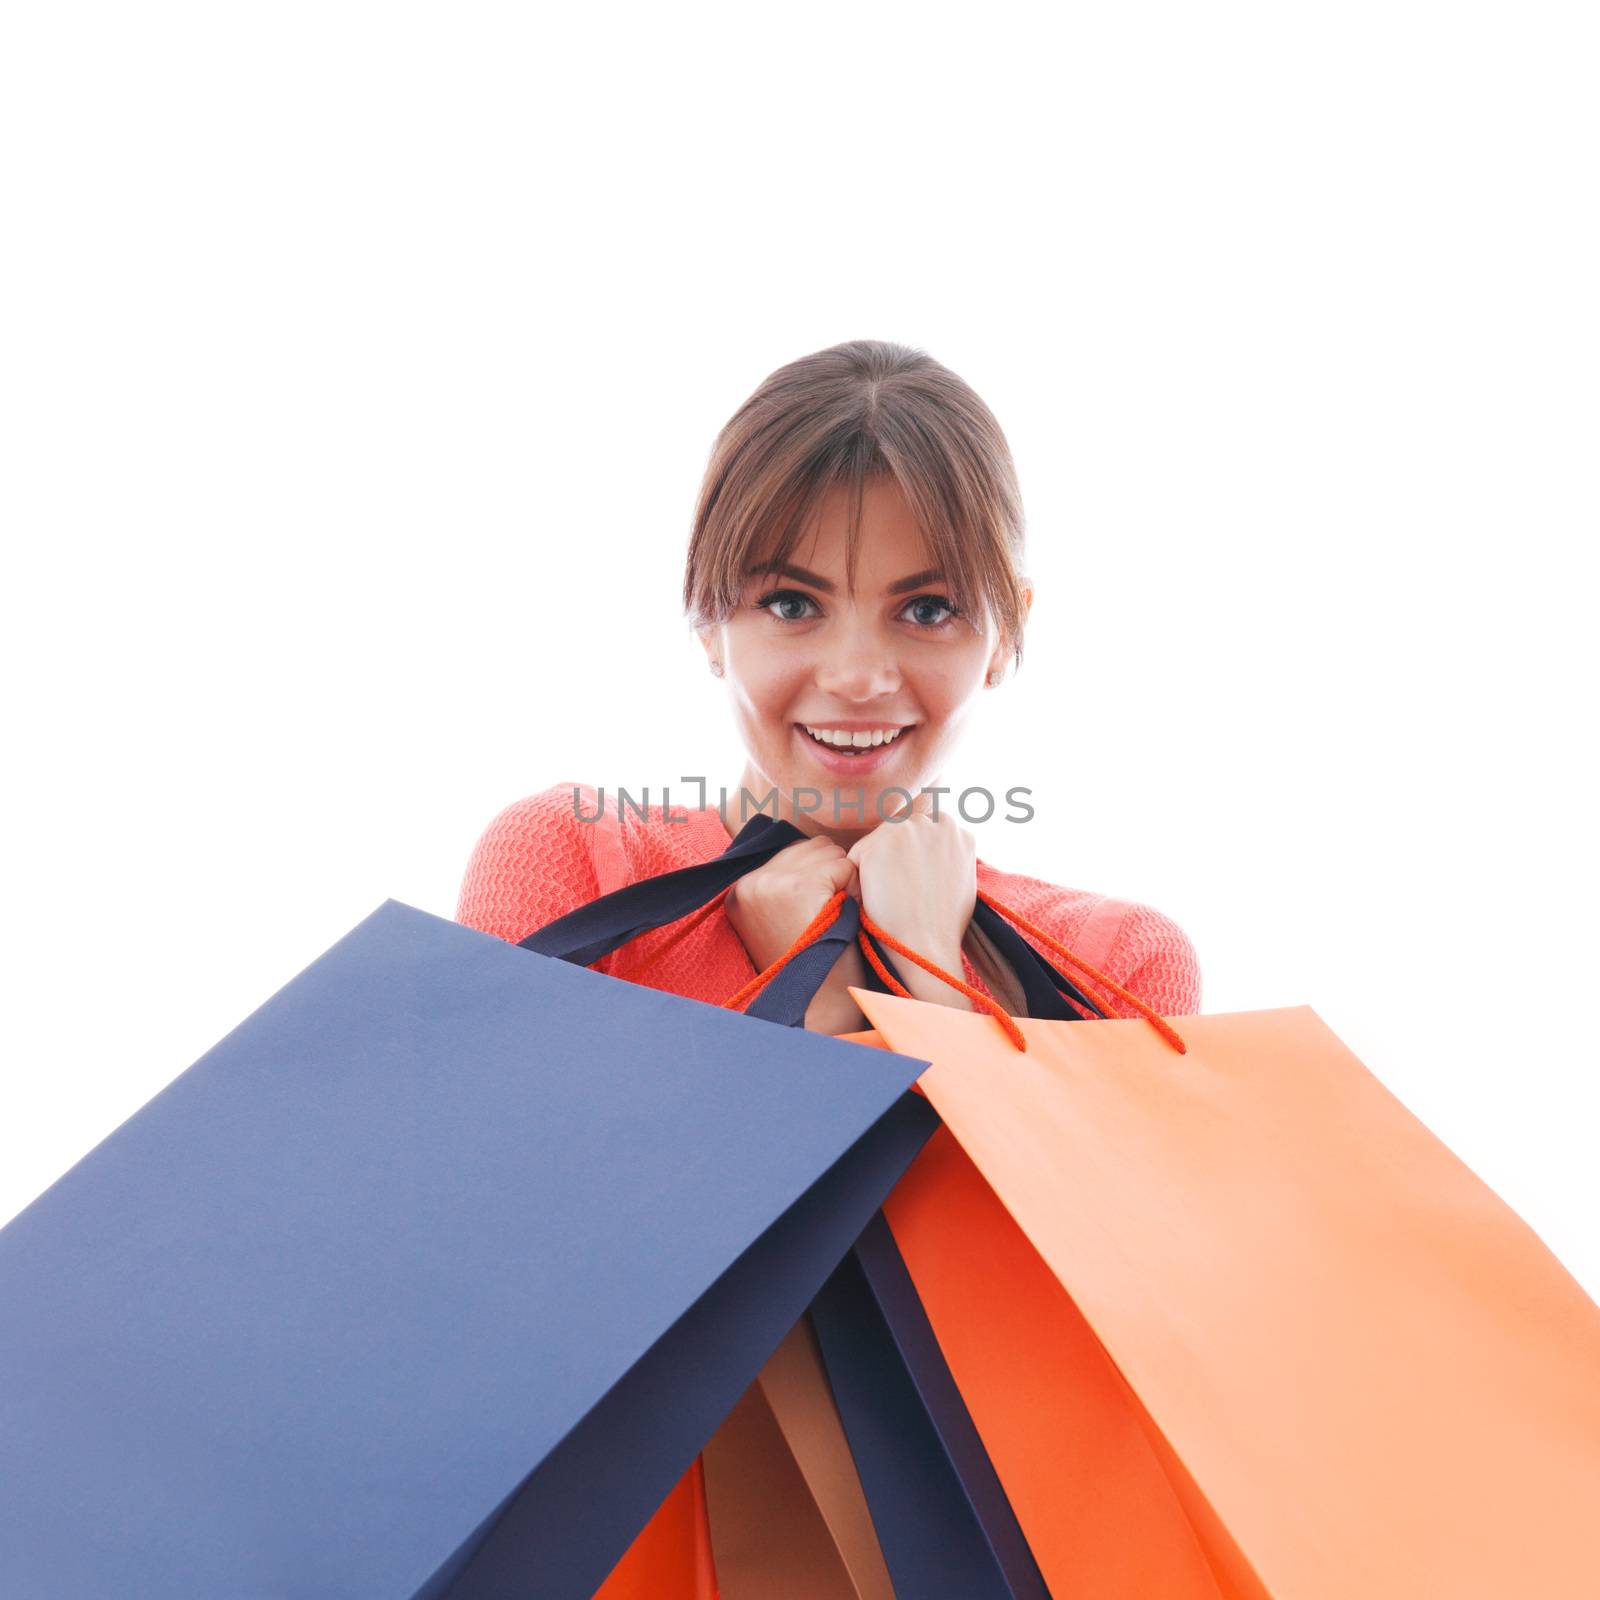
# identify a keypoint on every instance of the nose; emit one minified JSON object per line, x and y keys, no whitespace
{"x":858,"y":665}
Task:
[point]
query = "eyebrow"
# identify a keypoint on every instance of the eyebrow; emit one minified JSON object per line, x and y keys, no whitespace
{"x":815,"y":580}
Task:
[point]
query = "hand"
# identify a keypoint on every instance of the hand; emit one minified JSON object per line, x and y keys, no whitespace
{"x":917,"y":877}
{"x":771,"y":907}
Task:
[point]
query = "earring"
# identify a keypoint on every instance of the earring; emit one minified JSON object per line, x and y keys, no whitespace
{"x":716,"y":669}
{"x":994,"y":678}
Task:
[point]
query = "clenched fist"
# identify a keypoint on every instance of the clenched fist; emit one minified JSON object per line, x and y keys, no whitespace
{"x":771,"y":907}
{"x":917,"y":877}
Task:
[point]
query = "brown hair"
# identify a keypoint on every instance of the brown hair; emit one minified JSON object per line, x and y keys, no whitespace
{"x":852,"y":412}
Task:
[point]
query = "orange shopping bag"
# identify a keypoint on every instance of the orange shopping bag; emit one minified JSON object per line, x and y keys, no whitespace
{"x":1234,"y":1323}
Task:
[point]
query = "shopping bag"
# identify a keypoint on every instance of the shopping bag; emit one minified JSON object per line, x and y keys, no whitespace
{"x":668,"y":1558}
{"x":431,"y":1277}
{"x":671,"y":1556}
{"x":904,"y":1393}
{"x":1103,"y":1516}
{"x":1068,"y":1438}
{"x":666,"y":1562}
{"x":1359,"y":1372}
{"x":786,"y":1512}
{"x":942,"y":1517}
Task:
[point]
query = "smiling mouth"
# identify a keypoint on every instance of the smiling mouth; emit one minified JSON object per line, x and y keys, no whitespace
{"x":852,"y":742}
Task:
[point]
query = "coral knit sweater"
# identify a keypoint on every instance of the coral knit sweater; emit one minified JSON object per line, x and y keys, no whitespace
{"x":537,"y":860}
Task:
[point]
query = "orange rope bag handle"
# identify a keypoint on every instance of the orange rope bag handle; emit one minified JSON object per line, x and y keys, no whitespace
{"x":1154,"y":1018}
{"x":829,"y":914}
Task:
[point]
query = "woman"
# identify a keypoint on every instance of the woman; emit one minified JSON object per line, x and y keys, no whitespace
{"x":854,"y":577}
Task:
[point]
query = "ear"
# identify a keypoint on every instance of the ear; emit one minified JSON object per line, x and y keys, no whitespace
{"x":1004,"y":649}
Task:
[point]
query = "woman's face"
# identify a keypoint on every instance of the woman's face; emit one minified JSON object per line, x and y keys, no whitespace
{"x":847,"y":693}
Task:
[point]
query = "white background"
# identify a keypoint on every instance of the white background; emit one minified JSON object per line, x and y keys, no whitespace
{"x":360,"y":364}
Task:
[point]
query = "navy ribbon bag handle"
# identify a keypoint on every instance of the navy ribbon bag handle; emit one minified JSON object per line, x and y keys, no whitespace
{"x":605,"y":924}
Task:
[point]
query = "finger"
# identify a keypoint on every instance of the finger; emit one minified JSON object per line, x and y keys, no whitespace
{"x":841,"y":871}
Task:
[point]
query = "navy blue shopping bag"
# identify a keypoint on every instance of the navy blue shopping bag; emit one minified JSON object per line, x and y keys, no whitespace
{"x":430,"y":1278}
{"x":943,"y":1520}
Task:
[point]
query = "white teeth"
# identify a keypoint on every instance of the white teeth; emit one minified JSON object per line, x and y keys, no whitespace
{"x":843,"y":739}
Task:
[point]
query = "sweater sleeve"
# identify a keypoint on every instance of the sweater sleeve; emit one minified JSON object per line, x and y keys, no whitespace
{"x":1146,"y":951}
{"x":532,"y":864}
{"x":1152,"y":957}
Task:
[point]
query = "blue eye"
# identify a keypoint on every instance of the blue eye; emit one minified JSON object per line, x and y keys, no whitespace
{"x":782,"y":603}
{"x":929,"y":611}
